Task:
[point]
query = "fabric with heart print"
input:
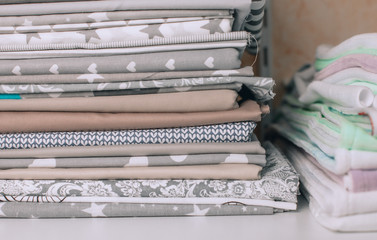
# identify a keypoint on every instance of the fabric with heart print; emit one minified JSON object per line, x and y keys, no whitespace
{"x":176,"y":60}
{"x":279,"y":182}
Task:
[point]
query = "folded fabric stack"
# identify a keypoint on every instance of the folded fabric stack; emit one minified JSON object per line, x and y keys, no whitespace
{"x":330,"y":117}
{"x":135,"y":108}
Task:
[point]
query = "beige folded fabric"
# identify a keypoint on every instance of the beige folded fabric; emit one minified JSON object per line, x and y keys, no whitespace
{"x":253,"y":147}
{"x":194,"y":101}
{"x":219,"y":171}
{"x":13,"y":122}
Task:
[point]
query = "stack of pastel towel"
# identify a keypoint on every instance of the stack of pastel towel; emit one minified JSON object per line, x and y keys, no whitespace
{"x":331,"y":116}
{"x":135,"y":108}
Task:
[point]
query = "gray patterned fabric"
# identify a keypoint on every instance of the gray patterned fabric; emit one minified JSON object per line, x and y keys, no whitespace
{"x":279,"y":182}
{"x":124,"y":77}
{"x":252,"y":147}
{"x":42,"y":28}
{"x":100,"y":17}
{"x":143,"y":83}
{"x":164,"y":61}
{"x":254,"y":24}
{"x":247,"y":15}
{"x":228,"y":132}
{"x":137,"y":91}
{"x":96,"y":87}
{"x":102,"y":34}
{"x":129,"y":161}
{"x":86,"y":210}
{"x":241,"y":7}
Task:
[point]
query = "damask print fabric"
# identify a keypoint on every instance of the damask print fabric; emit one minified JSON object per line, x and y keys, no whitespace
{"x":129,"y":108}
{"x":279,"y":182}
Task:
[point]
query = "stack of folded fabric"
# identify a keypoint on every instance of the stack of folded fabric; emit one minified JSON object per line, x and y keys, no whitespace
{"x":330,"y":117}
{"x":135,"y":108}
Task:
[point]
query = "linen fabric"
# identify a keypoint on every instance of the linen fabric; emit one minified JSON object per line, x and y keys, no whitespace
{"x":279,"y":183}
{"x":100,"y":34}
{"x":13,"y":122}
{"x":253,"y":146}
{"x":103,"y":210}
{"x":69,"y":27}
{"x":164,"y":61}
{"x":133,"y":91}
{"x":196,"y":101}
{"x":219,"y":171}
{"x":105,"y":16}
{"x":227,"y":132}
{"x":134,"y":161}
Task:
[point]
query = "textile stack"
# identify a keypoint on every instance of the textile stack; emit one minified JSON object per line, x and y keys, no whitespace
{"x":135,"y":108}
{"x":330,"y":116}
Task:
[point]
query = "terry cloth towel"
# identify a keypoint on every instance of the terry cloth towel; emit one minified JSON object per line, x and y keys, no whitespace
{"x":137,"y":161}
{"x":196,"y":101}
{"x":353,"y":181}
{"x":218,"y":171}
{"x":13,"y":122}
{"x":343,"y":95}
{"x":341,"y":162}
{"x":355,"y":43}
{"x":365,"y":61}
{"x":326,"y":134}
{"x":351,"y":223}
{"x":333,"y":198}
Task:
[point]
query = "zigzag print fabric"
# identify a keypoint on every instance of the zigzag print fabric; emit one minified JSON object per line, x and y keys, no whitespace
{"x":229,"y":132}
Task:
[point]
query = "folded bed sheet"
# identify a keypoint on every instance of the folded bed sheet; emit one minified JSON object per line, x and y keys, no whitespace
{"x":253,"y":147}
{"x":277,"y":188}
{"x":228,"y":132}
{"x":218,"y":171}
{"x":108,"y":209}
{"x":134,"y":161}
{"x":13,"y":122}
{"x":194,"y":101}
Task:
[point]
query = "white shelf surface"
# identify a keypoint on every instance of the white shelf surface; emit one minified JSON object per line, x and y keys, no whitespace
{"x":289,"y":225}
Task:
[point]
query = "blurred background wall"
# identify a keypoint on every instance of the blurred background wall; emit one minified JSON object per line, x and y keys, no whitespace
{"x":297,"y":27}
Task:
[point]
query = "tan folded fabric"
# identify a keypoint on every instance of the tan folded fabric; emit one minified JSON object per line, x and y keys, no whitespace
{"x":194,"y":101}
{"x":219,"y":171}
{"x":13,"y":122}
{"x":253,"y":147}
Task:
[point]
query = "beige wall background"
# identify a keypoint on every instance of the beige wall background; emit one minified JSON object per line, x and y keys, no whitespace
{"x":299,"y":26}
